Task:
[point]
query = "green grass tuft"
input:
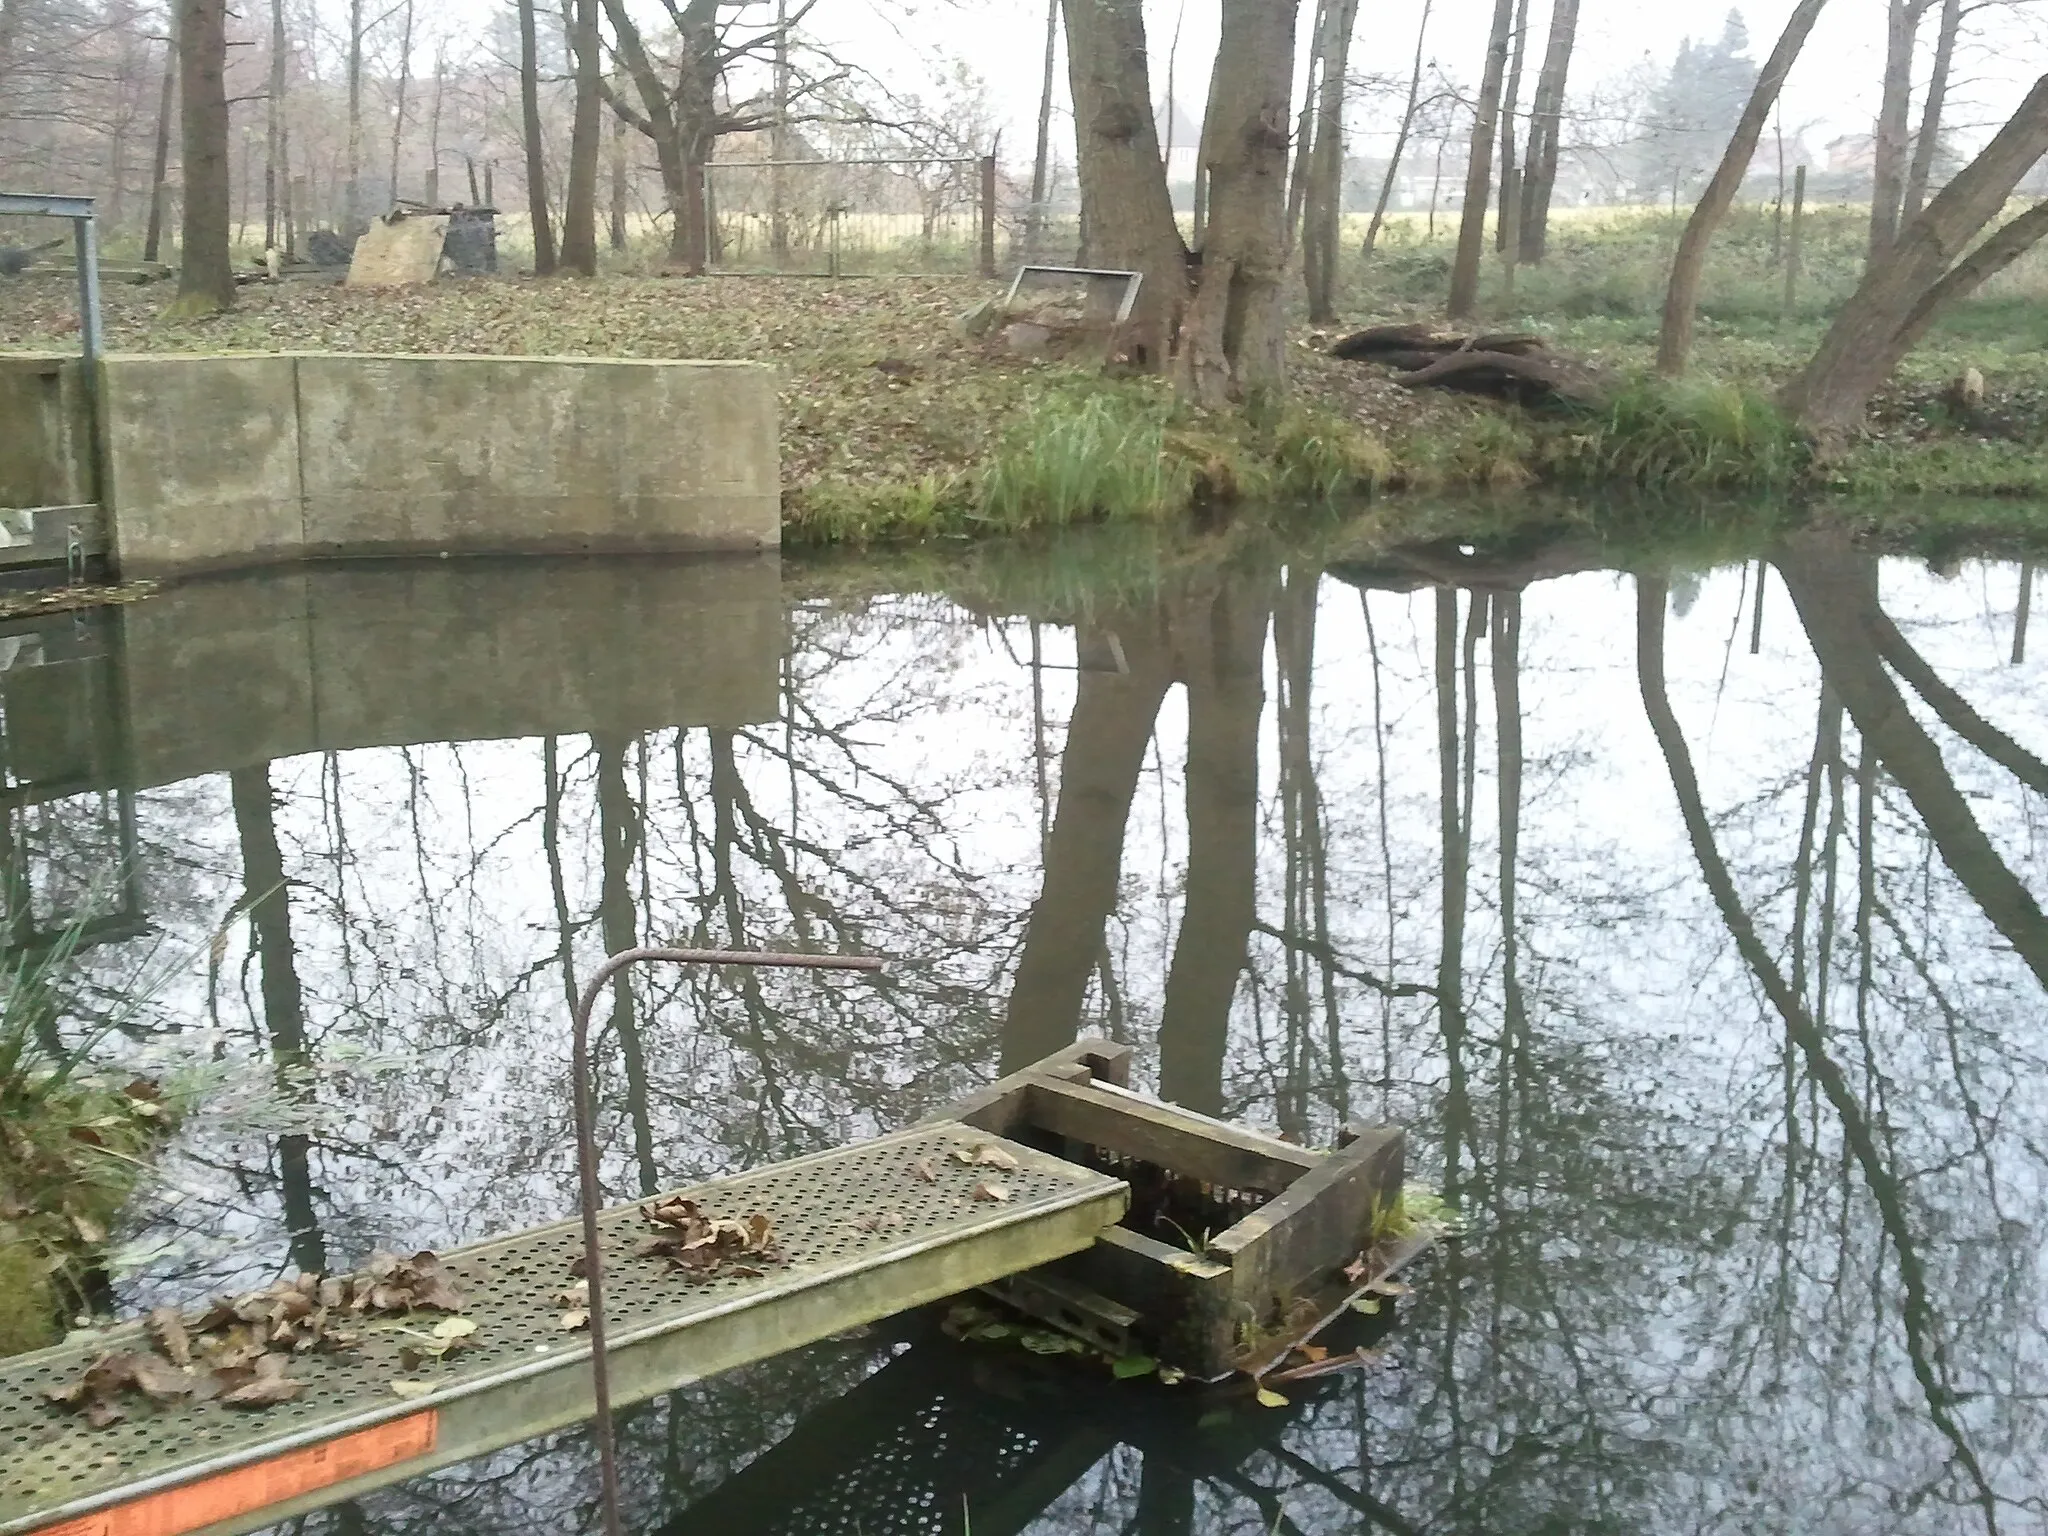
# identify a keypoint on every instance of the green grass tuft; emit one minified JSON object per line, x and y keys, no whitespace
{"x":1694,"y":434}
{"x":1082,"y":455}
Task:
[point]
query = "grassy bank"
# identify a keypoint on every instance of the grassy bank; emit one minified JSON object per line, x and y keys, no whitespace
{"x":897,"y":426}
{"x":75,"y":1142}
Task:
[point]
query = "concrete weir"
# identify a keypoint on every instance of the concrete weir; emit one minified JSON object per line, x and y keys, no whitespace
{"x":212,"y":462}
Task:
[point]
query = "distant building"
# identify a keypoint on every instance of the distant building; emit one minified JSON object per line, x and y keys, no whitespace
{"x":1180,"y":140}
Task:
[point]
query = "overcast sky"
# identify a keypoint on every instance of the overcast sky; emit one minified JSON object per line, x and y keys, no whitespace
{"x":1833,"y":87}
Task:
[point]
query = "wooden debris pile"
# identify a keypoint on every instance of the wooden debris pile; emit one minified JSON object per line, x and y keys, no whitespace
{"x":1507,"y":365}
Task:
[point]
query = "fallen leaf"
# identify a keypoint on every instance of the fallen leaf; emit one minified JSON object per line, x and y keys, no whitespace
{"x":924,"y":1170}
{"x":1268,"y":1398}
{"x":1041,"y":1341}
{"x":405,"y":1387}
{"x":266,"y":1386}
{"x":166,"y":1329}
{"x":1390,"y":1288}
{"x":1133,"y":1365}
{"x":994,"y":1157}
{"x":574,"y":1319}
{"x":1357,"y":1269}
{"x":454,"y":1328}
{"x":990,"y":1189}
{"x":1366,"y":1305}
{"x":1171,"y":1375}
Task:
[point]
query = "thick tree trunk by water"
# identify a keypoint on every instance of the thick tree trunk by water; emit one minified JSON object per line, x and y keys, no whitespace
{"x":1539,"y":175}
{"x":1231,"y":344}
{"x":1479,"y":167}
{"x":206,"y":274}
{"x":1324,"y":199}
{"x":1681,"y":297}
{"x":1929,"y":140}
{"x":1888,"y":147}
{"x":536,"y":153}
{"x":1401,"y":136}
{"x":1126,"y":211}
{"x":579,"y":211}
{"x":1902,"y":291}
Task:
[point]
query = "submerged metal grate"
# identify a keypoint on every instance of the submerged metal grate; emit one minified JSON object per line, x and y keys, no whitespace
{"x":835,"y":1213}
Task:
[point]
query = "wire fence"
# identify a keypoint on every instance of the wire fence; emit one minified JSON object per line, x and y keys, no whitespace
{"x":833,"y":217}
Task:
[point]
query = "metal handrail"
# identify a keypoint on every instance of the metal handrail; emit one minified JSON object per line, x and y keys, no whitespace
{"x":586,"y":1163}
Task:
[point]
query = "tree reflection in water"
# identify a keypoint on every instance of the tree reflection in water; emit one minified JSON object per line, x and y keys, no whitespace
{"x":1695,"y":938}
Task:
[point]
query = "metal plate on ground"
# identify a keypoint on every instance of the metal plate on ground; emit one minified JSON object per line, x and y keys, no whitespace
{"x":865,"y":1232}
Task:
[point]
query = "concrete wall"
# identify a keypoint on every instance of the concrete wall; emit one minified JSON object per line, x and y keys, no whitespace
{"x":224,"y":461}
{"x":233,"y":671}
{"x":45,"y":442}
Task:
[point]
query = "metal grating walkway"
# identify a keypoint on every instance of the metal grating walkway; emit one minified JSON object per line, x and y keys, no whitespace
{"x":865,"y":1233}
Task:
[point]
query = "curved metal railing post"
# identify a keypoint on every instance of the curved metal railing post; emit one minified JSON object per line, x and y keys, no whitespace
{"x":586,"y":1163}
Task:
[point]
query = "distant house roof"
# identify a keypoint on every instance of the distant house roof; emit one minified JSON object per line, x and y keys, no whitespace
{"x":1186,"y":131}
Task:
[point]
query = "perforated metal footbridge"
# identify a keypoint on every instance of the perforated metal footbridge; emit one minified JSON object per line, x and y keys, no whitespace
{"x":866,"y":1232}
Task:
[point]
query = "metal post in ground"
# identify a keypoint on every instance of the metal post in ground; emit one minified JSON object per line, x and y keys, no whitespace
{"x":586,"y":1165}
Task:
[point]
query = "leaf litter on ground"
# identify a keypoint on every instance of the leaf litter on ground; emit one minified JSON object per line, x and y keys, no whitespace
{"x":706,"y":1247}
{"x":237,"y":1348}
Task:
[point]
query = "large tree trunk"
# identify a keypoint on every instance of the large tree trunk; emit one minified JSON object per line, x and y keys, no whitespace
{"x":206,"y":274}
{"x":1903,"y":290}
{"x":1479,"y":167}
{"x":1888,"y":149}
{"x":1126,"y":210}
{"x":1407,"y":128}
{"x":1539,"y":177}
{"x":1510,"y":102}
{"x":160,"y":161}
{"x":1232,"y":343}
{"x":536,"y":153}
{"x":1674,"y":340}
{"x":1324,"y":210}
{"x":579,"y":212}
{"x":1929,"y":141}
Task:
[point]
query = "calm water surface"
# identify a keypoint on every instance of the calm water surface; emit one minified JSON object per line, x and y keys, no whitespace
{"x":1687,"y":919}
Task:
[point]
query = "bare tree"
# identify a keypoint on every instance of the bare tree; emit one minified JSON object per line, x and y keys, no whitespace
{"x":398,"y":104}
{"x":1539,"y":173}
{"x":1479,"y":166}
{"x":579,"y":214}
{"x":1231,"y":344}
{"x":1888,"y":148}
{"x":160,"y":161}
{"x":1511,"y":102}
{"x":1034,"y":216}
{"x":1407,"y":128}
{"x":206,"y":274}
{"x":1681,"y":295}
{"x":1903,"y":290}
{"x":536,"y":151}
{"x":1324,"y":200}
{"x":1928,"y":142}
{"x":352,"y":173}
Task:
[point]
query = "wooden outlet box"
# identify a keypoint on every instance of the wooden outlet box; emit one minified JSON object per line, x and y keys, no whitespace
{"x":1237,"y":1243}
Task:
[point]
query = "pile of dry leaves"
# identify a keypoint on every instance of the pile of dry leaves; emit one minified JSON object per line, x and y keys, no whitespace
{"x":238,"y":1349}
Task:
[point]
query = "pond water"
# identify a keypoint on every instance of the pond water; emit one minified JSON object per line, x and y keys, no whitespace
{"x":1686,"y":920}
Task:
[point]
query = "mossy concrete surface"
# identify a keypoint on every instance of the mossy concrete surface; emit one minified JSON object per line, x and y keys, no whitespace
{"x":220,"y":461}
